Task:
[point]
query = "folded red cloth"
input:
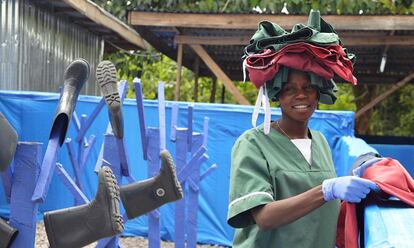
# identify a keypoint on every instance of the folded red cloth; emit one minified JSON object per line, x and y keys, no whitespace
{"x":393,"y":179}
{"x":323,"y":61}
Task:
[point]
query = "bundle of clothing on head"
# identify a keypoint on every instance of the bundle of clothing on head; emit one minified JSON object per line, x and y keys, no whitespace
{"x":314,"y":48}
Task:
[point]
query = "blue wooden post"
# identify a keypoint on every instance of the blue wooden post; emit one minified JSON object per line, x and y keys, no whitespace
{"x":113,"y":154}
{"x":47,"y":169}
{"x":180,"y":162}
{"x":110,"y":157}
{"x":192,"y":209}
{"x":153,"y":169}
{"x":22,"y":210}
{"x":153,"y":141}
{"x":189,"y":176}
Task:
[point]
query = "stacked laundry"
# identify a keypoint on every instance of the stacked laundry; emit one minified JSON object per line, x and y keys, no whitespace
{"x":314,"y":48}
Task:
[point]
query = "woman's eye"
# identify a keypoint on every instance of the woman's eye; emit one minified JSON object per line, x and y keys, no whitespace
{"x":309,"y":88}
{"x":289,"y":90}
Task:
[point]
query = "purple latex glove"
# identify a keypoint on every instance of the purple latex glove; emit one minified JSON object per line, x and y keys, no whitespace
{"x":348,"y":188}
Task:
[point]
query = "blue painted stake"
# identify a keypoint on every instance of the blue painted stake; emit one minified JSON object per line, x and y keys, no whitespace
{"x":153,"y":169}
{"x":180,"y":162}
{"x":110,"y":157}
{"x":192,"y":209}
{"x":113,"y":154}
{"x":23,"y":211}
{"x":48,"y":166}
{"x":141,"y":119}
{"x":189,"y":175}
{"x":71,"y":185}
{"x":153,"y":141}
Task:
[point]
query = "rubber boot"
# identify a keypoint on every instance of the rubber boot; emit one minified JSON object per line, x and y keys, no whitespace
{"x":7,"y":234}
{"x":81,"y":225}
{"x":106,"y":77}
{"x":76,"y":74}
{"x":8,"y":143}
{"x":141,"y":197}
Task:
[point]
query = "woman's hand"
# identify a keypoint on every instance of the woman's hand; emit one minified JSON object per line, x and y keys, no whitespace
{"x":348,"y":188}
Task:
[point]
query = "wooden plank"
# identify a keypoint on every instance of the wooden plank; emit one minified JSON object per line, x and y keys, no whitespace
{"x":101,"y":16}
{"x":212,"y":65}
{"x":384,"y":95}
{"x":250,"y":21}
{"x":400,"y":40}
{"x":179,"y":65}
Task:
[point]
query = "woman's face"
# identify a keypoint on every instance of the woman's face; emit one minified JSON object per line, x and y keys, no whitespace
{"x":298,"y":99}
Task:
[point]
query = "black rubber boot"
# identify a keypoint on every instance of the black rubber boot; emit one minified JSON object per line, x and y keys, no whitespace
{"x":76,"y":74}
{"x":8,"y":143}
{"x":106,"y":77}
{"x":81,"y":225}
{"x":141,"y":197}
{"x":7,"y":234}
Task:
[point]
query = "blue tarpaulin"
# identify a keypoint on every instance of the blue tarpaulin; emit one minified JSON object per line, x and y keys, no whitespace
{"x":388,"y":224}
{"x":31,"y":114}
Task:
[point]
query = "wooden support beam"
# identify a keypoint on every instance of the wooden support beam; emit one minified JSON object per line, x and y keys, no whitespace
{"x":250,"y":21}
{"x":101,"y":16}
{"x":212,"y":65}
{"x":400,"y":40}
{"x":179,"y":65}
{"x":384,"y":95}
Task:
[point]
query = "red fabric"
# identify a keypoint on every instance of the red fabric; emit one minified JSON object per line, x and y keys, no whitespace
{"x":323,"y":61}
{"x":393,"y":180}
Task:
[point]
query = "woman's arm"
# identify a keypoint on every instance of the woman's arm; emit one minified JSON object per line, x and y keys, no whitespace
{"x":282,"y":212}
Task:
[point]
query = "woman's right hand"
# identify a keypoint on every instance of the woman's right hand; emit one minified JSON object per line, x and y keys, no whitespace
{"x":348,"y":188}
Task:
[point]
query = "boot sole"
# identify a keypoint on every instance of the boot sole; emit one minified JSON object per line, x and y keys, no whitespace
{"x":112,"y":190}
{"x":166,"y":158}
{"x":106,"y":77}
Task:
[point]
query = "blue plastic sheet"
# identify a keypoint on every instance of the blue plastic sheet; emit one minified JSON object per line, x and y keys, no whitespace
{"x":402,"y":153}
{"x":388,"y":225}
{"x":31,"y":114}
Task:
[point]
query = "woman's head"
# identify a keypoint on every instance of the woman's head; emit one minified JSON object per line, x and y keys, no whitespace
{"x":298,"y":98}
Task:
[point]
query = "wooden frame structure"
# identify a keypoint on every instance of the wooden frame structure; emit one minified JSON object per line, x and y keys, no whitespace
{"x":218,"y":40}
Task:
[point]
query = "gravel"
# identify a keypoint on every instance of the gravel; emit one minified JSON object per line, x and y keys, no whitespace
{"x":127,"y":242}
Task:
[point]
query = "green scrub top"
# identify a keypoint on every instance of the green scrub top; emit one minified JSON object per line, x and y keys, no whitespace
{"x":268,"y":168}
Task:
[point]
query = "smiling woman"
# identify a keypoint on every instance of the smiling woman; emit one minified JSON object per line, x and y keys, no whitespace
{"x":298,"y":100}
{"x":283,"y":187}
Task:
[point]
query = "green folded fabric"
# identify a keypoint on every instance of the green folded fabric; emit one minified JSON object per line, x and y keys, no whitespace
{"x":272,"y":36}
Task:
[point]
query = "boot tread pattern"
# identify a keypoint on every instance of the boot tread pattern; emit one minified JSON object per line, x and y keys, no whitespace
{"x":166,"y":158}
{"x":113,"y":188}
{"x":106,"y":77}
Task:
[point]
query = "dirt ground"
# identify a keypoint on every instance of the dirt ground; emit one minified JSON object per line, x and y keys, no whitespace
{"x":127,"y":242}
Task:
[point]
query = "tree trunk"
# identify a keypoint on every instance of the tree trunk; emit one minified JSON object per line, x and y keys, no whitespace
{"x":196,"y":71}
{"x":223,"y":93}
{"x":213,"y":90}
{"x":364,"y":94}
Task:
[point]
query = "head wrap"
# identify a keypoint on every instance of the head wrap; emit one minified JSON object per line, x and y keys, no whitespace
{"x":314,"y":48}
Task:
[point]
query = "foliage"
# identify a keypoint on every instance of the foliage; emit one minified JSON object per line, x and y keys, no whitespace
{"x":345,"y":99}
{"x":338,"y":7}
{"x":396,"y":113}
